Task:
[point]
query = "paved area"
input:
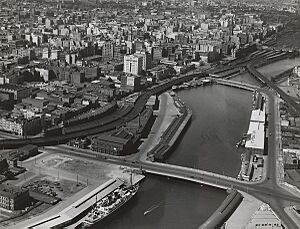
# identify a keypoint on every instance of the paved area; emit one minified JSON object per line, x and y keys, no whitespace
{"x":242,"y":215}
{"x":290,"y":211}
{"x":290,"y":90}
{"x":165,"y":115}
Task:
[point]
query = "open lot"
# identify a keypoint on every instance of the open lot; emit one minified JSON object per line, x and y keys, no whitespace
{"x":62,"y":176}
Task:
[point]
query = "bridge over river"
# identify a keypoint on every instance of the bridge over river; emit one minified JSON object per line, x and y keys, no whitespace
{"x":240,"y":85}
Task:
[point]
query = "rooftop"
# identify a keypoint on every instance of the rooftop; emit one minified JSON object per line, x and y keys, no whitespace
{"x":258,"y":116}
{"x":255,"y":135}
{"x":10,"y":191}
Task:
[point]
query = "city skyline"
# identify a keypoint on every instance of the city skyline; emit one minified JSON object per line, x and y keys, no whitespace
{"x":126,"y":114}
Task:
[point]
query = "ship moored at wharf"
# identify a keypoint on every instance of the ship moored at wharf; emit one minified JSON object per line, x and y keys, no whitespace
{"x":109,"y":204}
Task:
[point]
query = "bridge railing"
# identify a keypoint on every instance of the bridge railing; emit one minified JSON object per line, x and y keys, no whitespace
{"x":193,"y":171}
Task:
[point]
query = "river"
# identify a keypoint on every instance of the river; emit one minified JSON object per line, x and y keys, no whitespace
{"x":220,"y":117}
{"x":180,"y":205}
{"x":210,"y":142}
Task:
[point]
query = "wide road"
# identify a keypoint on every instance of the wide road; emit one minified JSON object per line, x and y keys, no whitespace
{"x":181,"y":172}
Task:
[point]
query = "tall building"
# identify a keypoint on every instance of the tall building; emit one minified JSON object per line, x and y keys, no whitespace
{"x":107,"y":50}
{"x":133,"y":64}
{"x":147,"y":59}
{"x":156,"y":54}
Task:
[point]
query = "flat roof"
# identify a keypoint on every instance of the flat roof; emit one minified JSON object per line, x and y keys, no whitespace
{"x":112,"y":139}
{"x":257,"y":116}
{"x":255,"y":135}
{"x":10,"y":191}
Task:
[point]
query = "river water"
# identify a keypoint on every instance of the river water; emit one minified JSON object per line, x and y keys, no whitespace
{"x":179,"y":204}
{"x":220,"y":117}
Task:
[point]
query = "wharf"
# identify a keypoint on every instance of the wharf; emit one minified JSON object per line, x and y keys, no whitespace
{"x":78,"y":209}
{"x":172,"y":133}
{"x":181,"y":128}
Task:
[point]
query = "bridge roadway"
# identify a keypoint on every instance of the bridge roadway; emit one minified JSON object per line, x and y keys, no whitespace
{"x":236,"y":84}
{"x":180,"y":172}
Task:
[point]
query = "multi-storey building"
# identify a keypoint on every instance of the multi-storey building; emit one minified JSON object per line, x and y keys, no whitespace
{"x":133,"y":64}
{"x":130,"y":82}
{"x":22,"y":126}
{"x":147,"y":59}
{"x":13,"y":198}
{"x":17,"y":92}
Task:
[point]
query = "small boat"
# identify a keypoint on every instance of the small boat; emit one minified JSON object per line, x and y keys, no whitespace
{"x":238,"y":144}
{"x":149,"y":210}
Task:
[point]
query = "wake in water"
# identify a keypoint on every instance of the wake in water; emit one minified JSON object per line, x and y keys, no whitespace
{"x":152,"y":208}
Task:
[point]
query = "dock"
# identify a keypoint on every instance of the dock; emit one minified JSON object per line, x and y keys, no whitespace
{"x":73,"y":214}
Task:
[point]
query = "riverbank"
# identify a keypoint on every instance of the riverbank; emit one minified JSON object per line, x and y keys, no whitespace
{"x":166,"y":113}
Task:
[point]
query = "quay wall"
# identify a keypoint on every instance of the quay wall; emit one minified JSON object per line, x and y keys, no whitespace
{"x":171,"y":134}
{"x":221,"y":215}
